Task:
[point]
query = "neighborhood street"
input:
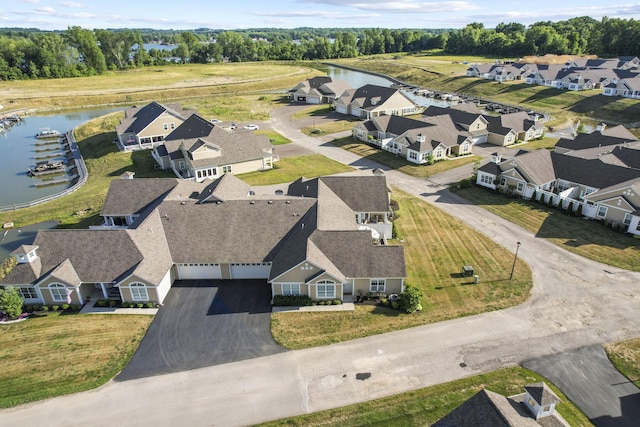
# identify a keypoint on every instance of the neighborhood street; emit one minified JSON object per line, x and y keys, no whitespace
{"x":575,"y":302}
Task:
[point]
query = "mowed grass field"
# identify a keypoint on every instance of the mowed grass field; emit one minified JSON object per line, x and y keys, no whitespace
{"x":437,"y":245}
{"x":398,"y":163}
{"x":590,"y":239}
{"x":163,"y":83}
{"x":625,"y":356}
{"x":291,"y":168}
{"x":447,"y":72}
{"x":425,"y":406}
{"x":60,"y":354}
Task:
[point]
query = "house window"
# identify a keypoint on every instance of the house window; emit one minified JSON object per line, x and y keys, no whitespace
{"x":30,"y":293}
{"x":326,"y":289}
{"x":486,"y":179}
{"x":226,"y":169}
{"x":413,"y":155}
{"x":602,"y":211}
{"x":290,"y":289}
{"x":438,"y":153}
{"x":377,"y":285}
{"x":165,"y":126}
{"x":173,"y":125}
{"x":638,"y":227}
{"x":503,"y":181}
{"x":532,"y":403}
{"x":520,"y":188}
{"x":58,"y":292}
{"x":627,"y":219}
{"x":139,"y":291}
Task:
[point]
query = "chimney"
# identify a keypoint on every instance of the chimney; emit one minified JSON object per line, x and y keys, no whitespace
{"x":496,"y":158}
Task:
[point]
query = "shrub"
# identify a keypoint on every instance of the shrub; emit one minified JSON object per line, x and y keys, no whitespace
{"x":395,"y":305}
{"x":55,"y":307}
{"x":28,"y":308}
{"x":112,"y":303}
{"x":45,"y":308}
{"x":385,"y":302}
{"x":139,"y":305}
{"x":292,"y":300}
{"x":570,"y":208}
{"x":75,"y":307}
{"x":149,"y":305}
{"x":101,"y":302}
{"x":337,"y":301}
{"x":465,"y":183}
{"x":410,"y":299}
{"x":579,"y":210}
{"x":125,"y":305}
{"x":65,"y":306}
{"x":10,"y":302}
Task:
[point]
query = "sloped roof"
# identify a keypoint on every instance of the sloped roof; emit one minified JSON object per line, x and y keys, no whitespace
{"x":542,"y":394}
{"x":193,"y":128}
{"x":485,"y":409}
{"x":369,"y":97}
{"x":457,"y":115}
{"x":227,"y":187}
{"x":592,"y":140}
{"x":395,"y":124}
{"x":132,"y":196}
{"x":591,"y":172}
{"x":619,"y":132}
{"x":66,"y":273}
{"x":360,"y":193}
{"x":628,"y":155}
{"x":138,"y":118}
{"x":96,"y":255}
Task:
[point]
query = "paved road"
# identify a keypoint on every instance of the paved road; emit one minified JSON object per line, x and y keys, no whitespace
{"x":205,"y":323}
{"x":589,"y":379}
{"x":575,"y":302}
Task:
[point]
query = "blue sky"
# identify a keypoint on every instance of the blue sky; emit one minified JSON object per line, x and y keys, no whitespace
{"x":230,"y":14}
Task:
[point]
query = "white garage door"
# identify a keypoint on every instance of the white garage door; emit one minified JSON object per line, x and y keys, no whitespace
{"x":250,"y":270}
{"x":342,"y":109}
{"x":199,"y":271}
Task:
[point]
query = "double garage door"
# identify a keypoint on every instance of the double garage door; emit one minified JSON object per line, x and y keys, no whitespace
{"x":213,"y":271}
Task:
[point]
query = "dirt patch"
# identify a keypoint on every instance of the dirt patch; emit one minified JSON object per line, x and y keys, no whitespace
{"x":553,"y":59}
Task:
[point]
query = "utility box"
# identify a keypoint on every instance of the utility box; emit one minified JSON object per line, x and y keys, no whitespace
{"x":467,"y":271}
{"x":475,"y":279}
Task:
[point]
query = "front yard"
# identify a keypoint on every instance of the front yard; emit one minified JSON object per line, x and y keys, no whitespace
{"x":587,"y":238}
{"x":437,"y":245}
{"x":60,"y":354}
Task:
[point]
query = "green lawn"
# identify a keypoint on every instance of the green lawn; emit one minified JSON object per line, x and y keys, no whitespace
{"x":274,"y":137}
{"x":437,"y":245}
{"x":312,"y":111}
{"x":427,"y":405}
{"x":625,"y":355}
{"x":590,"y":239}
{"x":291,"y":168}
{"x":325,"y":128}
{"x":392,"y":161}
{"x":59,"y":354}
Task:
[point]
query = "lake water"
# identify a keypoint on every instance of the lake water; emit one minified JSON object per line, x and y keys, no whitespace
{"x":158,"y":46}
{"x":18,"y":153}
{"x":357,"y":79}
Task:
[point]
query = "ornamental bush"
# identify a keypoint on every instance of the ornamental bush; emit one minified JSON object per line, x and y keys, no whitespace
{"x":10,"y":302}
{"x":410,"y":299}
{"x":292,"y":300}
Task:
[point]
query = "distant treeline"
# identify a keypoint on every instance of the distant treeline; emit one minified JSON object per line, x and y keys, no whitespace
{"x":32,"y":53}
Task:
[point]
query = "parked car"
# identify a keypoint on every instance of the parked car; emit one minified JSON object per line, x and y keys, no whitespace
{"x":252,"y":127}
{"x":215,"y":120}
{"x":233,"y":126}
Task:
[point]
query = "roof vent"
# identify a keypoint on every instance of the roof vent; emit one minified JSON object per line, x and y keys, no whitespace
{"x":218,"y":202}
{"x":288,"y":202}
{"x":270,"y":202}
{"x":183,"y":203}
{"x":253,"y":202}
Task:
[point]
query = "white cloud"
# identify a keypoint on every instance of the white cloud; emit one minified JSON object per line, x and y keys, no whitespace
{"x":71,"y":4}
{"x":401,"y":6}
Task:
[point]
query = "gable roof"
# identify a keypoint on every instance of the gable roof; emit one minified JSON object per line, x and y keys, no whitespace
{"x":594,"y":139}
{"x":542,"y":394}
{"x":193,"y":128}
{"x":132,"y":196}
{"x":360,"y":193}
{"x":370,"y":97}
{"x":227,"y":187}
{"x":138,"y":118}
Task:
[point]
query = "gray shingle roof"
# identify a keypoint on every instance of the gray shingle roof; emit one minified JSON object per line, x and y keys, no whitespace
{"x":542,"y":394}
{"x":96,"y":255}
{"x":132,"y":196}
{"x":227,"y":187}
{"x":591,"y":140}
{"x":138,"y":118}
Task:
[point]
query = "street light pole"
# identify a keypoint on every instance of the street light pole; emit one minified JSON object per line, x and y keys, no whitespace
{"x":515,"y":258}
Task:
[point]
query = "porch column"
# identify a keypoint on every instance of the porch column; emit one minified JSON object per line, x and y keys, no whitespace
{"x":104,"y":291}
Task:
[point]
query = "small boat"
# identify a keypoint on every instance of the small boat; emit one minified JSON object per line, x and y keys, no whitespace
{"x":48,"y":133}
{"x":45,"y":167}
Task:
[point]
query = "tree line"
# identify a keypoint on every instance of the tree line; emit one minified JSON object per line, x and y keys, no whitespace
{"x":32,"y":53}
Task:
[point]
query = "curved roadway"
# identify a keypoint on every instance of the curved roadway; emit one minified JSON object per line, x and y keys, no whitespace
{"x":575,"y":302}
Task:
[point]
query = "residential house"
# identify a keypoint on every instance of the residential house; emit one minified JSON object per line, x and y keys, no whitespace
{"x":497,"y":72}
{"x":466,"y":116}
{"x":318,"y":90}
{"x":199,"y":150}
{"x":300,"y":243}
{"x":628,"y":88}
{"x":371,"y":101}
{"x":507,"y":129}
{"x":146,"y":127}
{"x":419,"y":141}
{"x":535,"y":407}
{"x":595,"y":180}
{"x":607,"y":137}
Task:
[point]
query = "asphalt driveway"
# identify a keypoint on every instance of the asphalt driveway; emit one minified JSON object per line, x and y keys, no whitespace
{"x":589,"y":379}
{"x":205,"y":323}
